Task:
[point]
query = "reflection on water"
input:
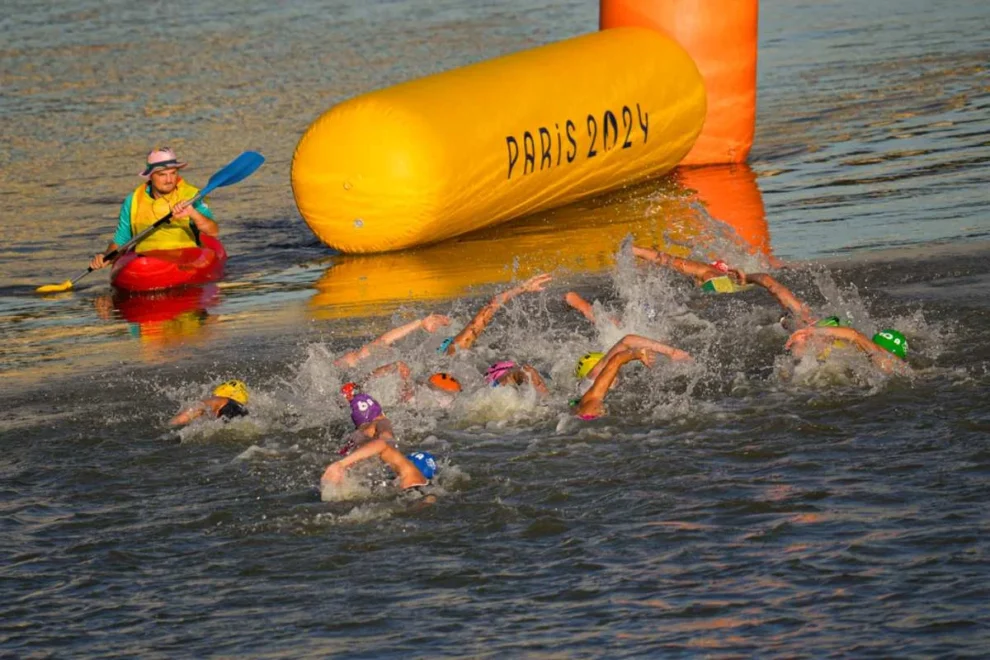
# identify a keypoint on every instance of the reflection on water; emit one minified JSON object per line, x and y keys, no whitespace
{"x":580,"y":239}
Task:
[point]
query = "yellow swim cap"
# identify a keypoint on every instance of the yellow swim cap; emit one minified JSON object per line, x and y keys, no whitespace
{"x":586,"y":363}
{"x":233,"y":389}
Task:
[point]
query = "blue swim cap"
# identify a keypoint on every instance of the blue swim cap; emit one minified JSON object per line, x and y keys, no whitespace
{"x":424,"y":462}
{"x":444,"y":345}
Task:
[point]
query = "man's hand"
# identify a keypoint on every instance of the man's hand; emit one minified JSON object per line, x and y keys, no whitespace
{"x":97,"y":262}
{"x":182,"y":210}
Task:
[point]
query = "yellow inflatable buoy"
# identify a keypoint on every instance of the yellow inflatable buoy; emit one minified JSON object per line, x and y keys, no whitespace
{"x":446,"y":154}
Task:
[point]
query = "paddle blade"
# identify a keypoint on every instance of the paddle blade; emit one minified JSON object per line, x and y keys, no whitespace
{"x":54,"y":288}
{"x":237,"y":170}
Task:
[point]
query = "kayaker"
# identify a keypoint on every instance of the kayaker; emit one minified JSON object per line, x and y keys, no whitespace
{"x":229,"y":400}
{"x":141,"y":209}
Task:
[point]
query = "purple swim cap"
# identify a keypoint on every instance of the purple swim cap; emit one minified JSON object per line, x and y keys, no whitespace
{"x":498,"y":370}
{"x":364,"y":409}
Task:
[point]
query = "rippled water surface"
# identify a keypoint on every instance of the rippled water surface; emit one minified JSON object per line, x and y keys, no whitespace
{"x":743,"y":505}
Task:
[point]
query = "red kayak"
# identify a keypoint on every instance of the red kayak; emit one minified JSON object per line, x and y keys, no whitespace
{"x":165,"y":269}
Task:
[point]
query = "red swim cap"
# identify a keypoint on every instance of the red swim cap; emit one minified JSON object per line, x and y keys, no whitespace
{"x":444,"y":382}
{"x":347,"y":389}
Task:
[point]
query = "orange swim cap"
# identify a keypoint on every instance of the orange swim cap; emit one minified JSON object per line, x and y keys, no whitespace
{"x":347,"y":389}
{"x":443,"y":381}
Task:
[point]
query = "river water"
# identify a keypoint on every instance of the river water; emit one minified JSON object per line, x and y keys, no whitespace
{"x":739,"y":506}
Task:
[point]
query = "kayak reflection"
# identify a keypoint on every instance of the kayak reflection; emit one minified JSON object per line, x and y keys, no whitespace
{"x":163,"y":318}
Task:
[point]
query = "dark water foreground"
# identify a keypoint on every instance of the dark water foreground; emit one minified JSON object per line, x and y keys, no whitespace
{"x":720,"y":509}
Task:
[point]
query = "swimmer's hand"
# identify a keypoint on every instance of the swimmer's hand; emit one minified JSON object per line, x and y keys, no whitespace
{"x":334,"y":474}
{"x":434,"y":322}
{"x":738,"y":275}
{"x":796,"y":342}
{"x":677,"y":355}
{"x":645,"y":356}
{"x":536,"y":283}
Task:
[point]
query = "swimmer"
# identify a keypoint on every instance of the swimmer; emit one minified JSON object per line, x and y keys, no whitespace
{"x":590,"y":365}
{"x":441,"y":383}
{"x":704,"y":272}
{"x":700,"y":271}
{"x":412,"y":471}
{"x":430,"y":323}
{"x":887,"y":350}
{"x":465,"y":338}
{"x":370,"y":423}
{"x":591,"y":405}
{"x":507,"y":373}
{"x":229,"y":400}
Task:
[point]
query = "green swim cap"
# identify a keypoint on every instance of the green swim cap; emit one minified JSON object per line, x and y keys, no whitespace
{"x":891,"y":341}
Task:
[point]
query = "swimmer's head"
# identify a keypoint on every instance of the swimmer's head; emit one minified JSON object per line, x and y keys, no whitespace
{"x":348,"y":389}
{"x":892,"y":341}
{"x":444,"y":345}
{"x":497,"y":370}
{"x":586,"y":363}
{"x":424,"y":462}
{"x":364,"y":409}
{"x":720,"y":266}
{"x":443,"y":382}
{"x":233,"y":389}
{"x":829,"y":322}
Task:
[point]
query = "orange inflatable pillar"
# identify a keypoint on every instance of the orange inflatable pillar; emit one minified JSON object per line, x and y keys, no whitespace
{"x":720,"y":35}
{"x":730,"y":194}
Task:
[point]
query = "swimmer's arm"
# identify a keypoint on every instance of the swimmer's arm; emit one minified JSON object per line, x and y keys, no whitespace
{"x":466,"y":337}
{"x":630,"y":342}
{"x":591,"y":402}
{"x":696,"y":269}
{"x":409,"y":474}
{"x":784,"y":296}
{"x":213,"y":403}
{"x":335,"y":471}
{"x":573,"y":299}
{"x":405,"y":374}
{"x":398,"y":367}
{"x":429,"y":323}
{"x":526,"y":374}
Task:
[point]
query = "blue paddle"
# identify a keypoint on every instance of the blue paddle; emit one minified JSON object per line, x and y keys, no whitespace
{"x":237,"y":170}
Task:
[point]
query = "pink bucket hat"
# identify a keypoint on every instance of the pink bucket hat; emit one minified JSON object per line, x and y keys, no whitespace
{"x":162,"y":159}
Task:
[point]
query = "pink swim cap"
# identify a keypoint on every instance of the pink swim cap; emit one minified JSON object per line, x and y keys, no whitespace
{"x":498,"y":370}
